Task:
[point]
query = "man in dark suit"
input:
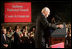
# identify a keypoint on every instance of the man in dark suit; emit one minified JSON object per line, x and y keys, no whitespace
{"x":16,"y":39}
{"x":42,"y":28}
{"x":4,"y":39}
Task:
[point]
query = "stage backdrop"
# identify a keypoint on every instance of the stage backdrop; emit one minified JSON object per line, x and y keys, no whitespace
{"x":17,"y":12}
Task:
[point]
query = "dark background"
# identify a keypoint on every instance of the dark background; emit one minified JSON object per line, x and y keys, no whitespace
{"x":61,"y":8}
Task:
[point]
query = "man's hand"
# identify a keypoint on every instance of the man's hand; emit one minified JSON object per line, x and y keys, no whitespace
{"x":60,"y":26}
{"x":6,"y":45}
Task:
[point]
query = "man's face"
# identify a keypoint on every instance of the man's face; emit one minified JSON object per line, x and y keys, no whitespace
{"x":4,"y":31}
{"x":33,"y":29}
{"x":10,"y":28}
{"x":17,"y":30}
{"x":47,"y":13}
{"x":26,"y":27}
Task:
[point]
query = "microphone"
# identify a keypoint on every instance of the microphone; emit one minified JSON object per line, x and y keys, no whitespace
{"x":59,"y":18}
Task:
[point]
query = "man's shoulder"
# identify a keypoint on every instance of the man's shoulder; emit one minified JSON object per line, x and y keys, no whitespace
{"x":41,"y":16}
{"x":2,"y":35}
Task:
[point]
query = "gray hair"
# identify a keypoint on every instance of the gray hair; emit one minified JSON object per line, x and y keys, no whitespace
{"x":45,"y":9}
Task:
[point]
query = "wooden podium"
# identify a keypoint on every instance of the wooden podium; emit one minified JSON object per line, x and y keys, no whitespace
{"x":56,"y":40}
{"x":57,"y":36}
